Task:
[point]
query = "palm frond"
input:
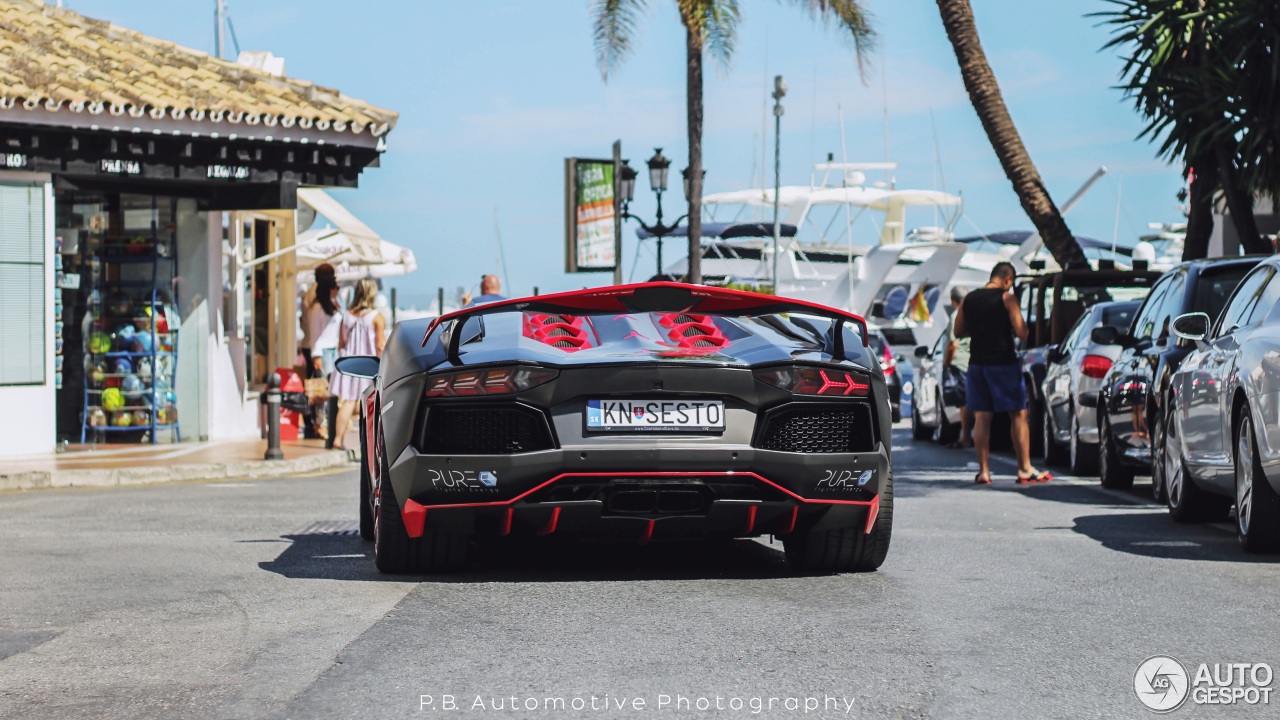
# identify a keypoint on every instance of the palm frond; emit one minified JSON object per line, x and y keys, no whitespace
{"x":614,"y":31}
{"x":852,"y":16}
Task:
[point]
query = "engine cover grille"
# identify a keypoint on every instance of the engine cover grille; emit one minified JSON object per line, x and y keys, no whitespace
{"x":819,"y":429}
{"x":484,"y":430}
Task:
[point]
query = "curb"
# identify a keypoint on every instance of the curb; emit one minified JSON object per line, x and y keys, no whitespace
{"x":118,"y":477}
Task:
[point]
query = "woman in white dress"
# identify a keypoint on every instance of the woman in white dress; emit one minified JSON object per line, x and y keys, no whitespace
{"x":362,"y":332}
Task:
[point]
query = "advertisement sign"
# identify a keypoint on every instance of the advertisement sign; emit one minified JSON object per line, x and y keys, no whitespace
{"x":590,"y":216}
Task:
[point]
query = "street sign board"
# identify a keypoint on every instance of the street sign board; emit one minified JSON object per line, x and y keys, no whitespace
{"x":590,"y":215}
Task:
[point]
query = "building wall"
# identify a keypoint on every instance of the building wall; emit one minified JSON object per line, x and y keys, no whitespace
{"x":33,"y":428}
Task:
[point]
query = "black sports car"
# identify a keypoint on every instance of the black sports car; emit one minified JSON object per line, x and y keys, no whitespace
{"x":636,"y":413}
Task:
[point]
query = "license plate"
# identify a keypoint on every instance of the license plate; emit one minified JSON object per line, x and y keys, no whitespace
{"x":655,"y":415}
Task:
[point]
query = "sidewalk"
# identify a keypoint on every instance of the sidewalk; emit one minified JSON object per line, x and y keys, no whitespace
{"x":115,"y":465}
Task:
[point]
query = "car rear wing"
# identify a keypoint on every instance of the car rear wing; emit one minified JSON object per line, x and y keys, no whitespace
{"x":670,"y":297}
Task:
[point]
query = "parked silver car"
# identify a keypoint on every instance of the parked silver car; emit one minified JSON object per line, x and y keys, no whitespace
{"x":931,"y":417}
{"x":1222,"y":442}
{"x":1076,"y":366}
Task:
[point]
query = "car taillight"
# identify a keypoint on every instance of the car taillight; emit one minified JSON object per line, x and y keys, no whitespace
{"x":1095,"y":366}
{"x":487,"y":381}
{"x":888,"y":364}
{"x":804,"y":380}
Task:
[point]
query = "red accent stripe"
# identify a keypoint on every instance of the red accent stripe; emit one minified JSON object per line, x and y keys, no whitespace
{"x":751,"y":519}
{"x":506,"y":522}
{"x":551,"y":524}
{"x":648,"y":532}
{"x":561,"y":476}
{"x":872,"y":512}
{"x":791,"y":522}
{"x":415,"y":518}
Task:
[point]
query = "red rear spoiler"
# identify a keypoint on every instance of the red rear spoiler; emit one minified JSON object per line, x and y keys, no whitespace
{"x":657,"y":297}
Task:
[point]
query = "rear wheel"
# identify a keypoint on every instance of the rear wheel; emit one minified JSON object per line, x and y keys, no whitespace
{"x":1113,"y":474}
{"x":395,"y":553}
{"x":919,"y":430}
{"x":1257,"y":505}
{"x":1157,"y":462}
{"x":945,"y":431}
{"x":1187,"y":502}
{"x":845,"y":549}
{"x":1084,"y":456}
{"x":1054,"y":452}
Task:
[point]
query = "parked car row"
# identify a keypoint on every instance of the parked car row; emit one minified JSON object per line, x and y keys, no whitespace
{"x":1183,"y":385}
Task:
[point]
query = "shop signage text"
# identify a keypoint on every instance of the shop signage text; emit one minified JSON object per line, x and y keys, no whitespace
{"x":120,"y":167}
{"x":228,"y":172}
{"x":13,"y":161}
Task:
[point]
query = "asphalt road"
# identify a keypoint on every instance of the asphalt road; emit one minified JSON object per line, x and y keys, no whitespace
{"x":254,"y":599}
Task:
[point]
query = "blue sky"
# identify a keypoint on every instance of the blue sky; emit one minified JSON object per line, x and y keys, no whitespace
{"x":493,"y":95}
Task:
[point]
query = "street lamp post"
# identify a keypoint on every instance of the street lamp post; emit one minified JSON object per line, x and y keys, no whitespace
{"x":659,"y":165}
{"x":779,"y":91}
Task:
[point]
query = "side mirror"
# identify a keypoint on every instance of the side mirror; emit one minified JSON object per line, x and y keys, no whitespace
{"x":1105,"y":335}
{"x":922,"y":351}
{"x":361,"y":366}
{"x":1192,"y":326}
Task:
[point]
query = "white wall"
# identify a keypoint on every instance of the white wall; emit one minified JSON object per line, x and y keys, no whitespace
{"x":34,"y":428}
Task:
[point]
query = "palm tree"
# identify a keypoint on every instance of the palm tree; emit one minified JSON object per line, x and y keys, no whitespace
{"x":1204,"y":77}
{"x":984,"y":93}
{"x":709,"y":25}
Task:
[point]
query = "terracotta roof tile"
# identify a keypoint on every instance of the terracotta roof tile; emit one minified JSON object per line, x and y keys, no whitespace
{"x":62,"y":60}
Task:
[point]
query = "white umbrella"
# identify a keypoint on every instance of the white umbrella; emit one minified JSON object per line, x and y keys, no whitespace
{"x":330,"y":245}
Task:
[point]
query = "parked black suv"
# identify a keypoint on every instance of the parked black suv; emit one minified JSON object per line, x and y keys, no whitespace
{"x":1132,"y":399}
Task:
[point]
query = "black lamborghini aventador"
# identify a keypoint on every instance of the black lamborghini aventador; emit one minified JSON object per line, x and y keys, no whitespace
{"x":636,"y":413}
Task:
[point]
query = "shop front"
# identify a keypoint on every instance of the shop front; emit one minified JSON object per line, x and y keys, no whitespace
{"x":146,"y":278}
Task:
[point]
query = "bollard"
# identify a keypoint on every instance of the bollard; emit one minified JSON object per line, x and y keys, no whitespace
{"x":273,"y":418}
{"x":331,"y":415}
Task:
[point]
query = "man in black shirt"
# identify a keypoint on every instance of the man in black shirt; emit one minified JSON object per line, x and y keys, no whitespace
{"x":990,"y":317}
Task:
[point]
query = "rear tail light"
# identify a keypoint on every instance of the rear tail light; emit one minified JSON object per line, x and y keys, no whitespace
{"x":888,"y":365}
{"x":804,"y":380}
{"x":1095,"y":366}
{"x":487,"y":381}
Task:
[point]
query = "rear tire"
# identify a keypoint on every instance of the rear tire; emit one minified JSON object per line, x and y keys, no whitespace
{"x":845,"y":549}
{"x":1113,"y":475}
{"x":1158,"y":462}
{"x":1257,"y":505}
{"x":395,"y":553}
{"x":1054,"y":453}
{"x":1187,"y":502}
{"x":946,"y":431}
{"x":1084,"y":456}
{"x":919,"y":431}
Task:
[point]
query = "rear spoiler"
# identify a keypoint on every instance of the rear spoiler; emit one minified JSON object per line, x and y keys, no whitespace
{"x":662,"y":297}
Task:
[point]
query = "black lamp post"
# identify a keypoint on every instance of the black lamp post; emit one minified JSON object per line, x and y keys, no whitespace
{"x":658,"y":169}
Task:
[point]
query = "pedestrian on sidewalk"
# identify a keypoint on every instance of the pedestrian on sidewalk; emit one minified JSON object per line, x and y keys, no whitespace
{"x":990,"y":318}
{"x":321,"y":321}
{"x":490,"y":291}
{"x":956,"y":355}
{"x":362,"y":332}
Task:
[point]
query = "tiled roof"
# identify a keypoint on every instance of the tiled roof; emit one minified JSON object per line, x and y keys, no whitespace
{"x":57,"y":60}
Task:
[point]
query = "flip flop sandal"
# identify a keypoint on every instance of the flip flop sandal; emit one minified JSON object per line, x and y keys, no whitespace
{"x":1040,"y":477}
{"x":980,"y":480}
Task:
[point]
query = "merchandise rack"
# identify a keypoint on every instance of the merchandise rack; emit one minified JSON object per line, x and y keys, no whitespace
{"x":115,"y":254}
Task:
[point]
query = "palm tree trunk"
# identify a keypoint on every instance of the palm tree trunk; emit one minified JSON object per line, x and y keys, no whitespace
{"x":1203,"y":172}
{"x":984,"y":94}
{"x":693,"y":47}
{"x":1240,"y":205}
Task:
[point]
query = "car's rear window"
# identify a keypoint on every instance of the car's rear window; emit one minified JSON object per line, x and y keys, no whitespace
{"x":1119,"y":317}
{"x":1214,"y":288}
